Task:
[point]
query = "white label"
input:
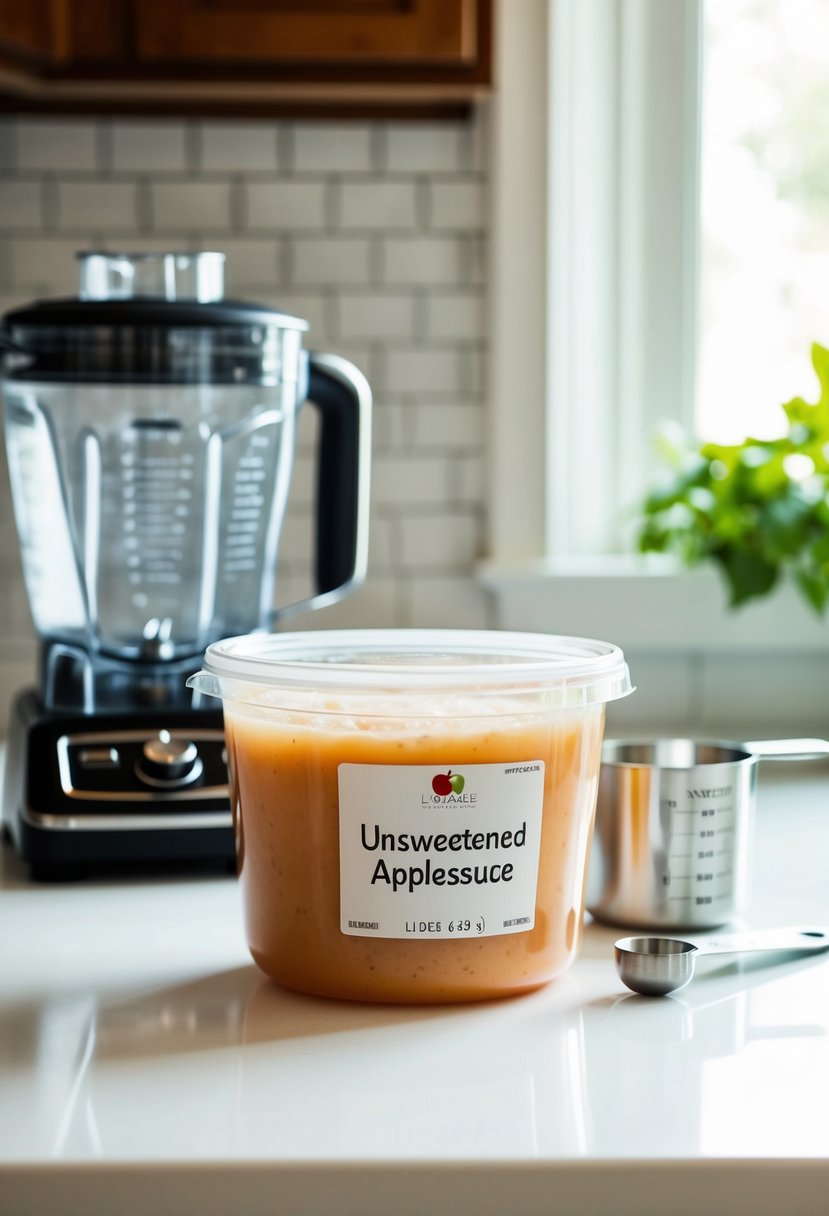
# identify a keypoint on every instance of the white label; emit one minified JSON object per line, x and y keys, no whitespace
{"x":429,"y":852}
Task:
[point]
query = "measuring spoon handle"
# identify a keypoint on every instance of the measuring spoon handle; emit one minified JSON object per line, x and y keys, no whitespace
{"x":788,"y":749}
{"x":806,"y":938}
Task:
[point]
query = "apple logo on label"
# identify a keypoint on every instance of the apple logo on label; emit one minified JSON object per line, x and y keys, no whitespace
{"x":448,"y":783}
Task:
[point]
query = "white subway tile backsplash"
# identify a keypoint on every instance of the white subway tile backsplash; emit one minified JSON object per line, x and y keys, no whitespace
{"x":156,"y":147}
{"x":442,"y":602}
{"x":472,"y":369}
{"x":376,"y":602}
{"x":249,"y":261}
{"x":445,"y":424}
{"x":455,"y":315}
{"x":311,"y":306}
{"x":49,"y":263}
{"x":286,"y":206}
{"x":130,"y":243}
{"x":424,"y":148}
{"x":473,"y":140}
{"x":472,"y":254}
{"x":21,"y":205}
{"x":234,"y":147}
{"x":390,"y":425}
{"x":438,"y":539}
{"x":374,"y":204}
{"x":372,"y":232}
{"x":457,"y":205}
{"x":297,"y":538}
{"x":423,"y":370}
{"x":421,"y":259}
{"x":190,"y":206}
{"x":468,"y":479}
{"x":404,"y":481}
{"x":323,"y":261}
{"x":55,"y":146}
{"x":332,"y":148}
{"x":382,"y":544}
{"x":376,"y":315}
{"x":103,"y":205}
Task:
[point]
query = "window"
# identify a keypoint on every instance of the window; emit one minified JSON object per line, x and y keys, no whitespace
{"x":764,"y":218}
{"x":595,"y":234}
{"x":595,"y":267}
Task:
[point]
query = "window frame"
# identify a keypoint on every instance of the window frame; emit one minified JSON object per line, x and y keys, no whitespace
{"x":581,"y":145}
{"x":594,"y":225}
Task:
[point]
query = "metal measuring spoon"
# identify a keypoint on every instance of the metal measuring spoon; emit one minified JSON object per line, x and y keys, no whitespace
{"x":655,"y":966}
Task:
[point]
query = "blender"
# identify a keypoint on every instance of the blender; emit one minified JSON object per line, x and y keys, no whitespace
{"x":151,"y":431}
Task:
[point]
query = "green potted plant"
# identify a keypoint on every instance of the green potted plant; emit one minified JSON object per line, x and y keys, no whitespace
{"x":758,"y":509}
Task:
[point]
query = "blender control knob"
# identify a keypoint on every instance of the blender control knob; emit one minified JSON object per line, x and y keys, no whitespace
{"x":168,"y":761}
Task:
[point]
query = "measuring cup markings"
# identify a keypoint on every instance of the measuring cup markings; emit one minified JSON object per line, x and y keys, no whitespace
{"x":698,"y":839}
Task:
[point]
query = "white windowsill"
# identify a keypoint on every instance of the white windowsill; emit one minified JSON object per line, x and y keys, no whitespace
{"x":699,"y":668}
{"x":648,"y":605}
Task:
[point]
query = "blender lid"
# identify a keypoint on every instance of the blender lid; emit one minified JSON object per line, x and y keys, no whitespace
{"x":69,"y":311}
{"x":182,"y":289}
{"x":145,"y":317}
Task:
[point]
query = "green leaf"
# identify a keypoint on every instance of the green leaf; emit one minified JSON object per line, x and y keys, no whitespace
{"x":820,"y":362}
{"x":784,"y":526}
{"x":815,"y":590}
{"x":747,"y":507}
{"x":748,"y":575}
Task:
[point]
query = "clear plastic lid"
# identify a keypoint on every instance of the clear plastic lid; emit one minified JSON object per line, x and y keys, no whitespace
{"x":566,"y":671}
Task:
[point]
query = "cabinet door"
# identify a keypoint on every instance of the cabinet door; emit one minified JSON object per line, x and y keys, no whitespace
{"x":294,"y":58}
{"x":286,"y":33}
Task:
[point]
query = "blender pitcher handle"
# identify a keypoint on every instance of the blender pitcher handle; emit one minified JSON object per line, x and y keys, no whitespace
{"x":342,"y":395}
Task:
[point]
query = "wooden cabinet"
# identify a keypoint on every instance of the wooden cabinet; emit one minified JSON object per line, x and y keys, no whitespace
{"x":315,"y":57}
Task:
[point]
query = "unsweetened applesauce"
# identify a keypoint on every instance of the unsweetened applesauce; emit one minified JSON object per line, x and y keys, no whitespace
{"x":413,"y":809}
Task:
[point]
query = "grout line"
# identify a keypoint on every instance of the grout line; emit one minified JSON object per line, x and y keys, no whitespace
{"x":10,"y":139}
{"x":285,"y":262}
{"x":422,"y":313}
{"x":376,"y":262}
{"x":424,"y":206}
{"x":331,"y":313}
{"x":104,"y":147}
{"x":378,"y":153}
{"x":193,"y":148}
{"x":144,"y":208}
{"x":285,"y":149}
{"x":50,"y":201}
{"x":238,"y":204}
{"x":6,"y":268}
{"x":332,"y":206}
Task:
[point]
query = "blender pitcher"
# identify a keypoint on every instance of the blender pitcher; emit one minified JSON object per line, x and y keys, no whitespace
{"x":151,"y":430}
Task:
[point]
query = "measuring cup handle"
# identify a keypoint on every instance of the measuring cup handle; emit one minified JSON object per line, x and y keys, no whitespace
{"x":788,"y":749}
{"x":342,"y":395}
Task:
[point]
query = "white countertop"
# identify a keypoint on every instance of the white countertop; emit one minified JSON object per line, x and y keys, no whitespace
{"x":146,"y":1066}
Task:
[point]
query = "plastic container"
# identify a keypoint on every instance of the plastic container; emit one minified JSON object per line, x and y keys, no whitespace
{"x":413,"y":809}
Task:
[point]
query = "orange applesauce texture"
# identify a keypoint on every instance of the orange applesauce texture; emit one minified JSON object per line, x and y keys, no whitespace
{"x":284,"y":782}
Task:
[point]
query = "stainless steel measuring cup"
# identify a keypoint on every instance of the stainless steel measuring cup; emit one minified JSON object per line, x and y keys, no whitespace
{"x":674,"y":824}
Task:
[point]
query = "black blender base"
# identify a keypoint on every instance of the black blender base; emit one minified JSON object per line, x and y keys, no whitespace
{"x":167,"y":855}
{"x":75,"y":804}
